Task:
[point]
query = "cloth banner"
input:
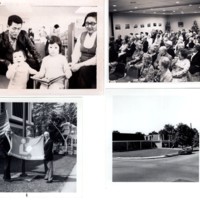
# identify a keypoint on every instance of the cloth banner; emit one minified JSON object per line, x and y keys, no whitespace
{"x":27,"y":148}
{"x":4,"y":123}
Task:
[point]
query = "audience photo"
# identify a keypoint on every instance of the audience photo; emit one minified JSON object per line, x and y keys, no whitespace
{"x":164,"y":50}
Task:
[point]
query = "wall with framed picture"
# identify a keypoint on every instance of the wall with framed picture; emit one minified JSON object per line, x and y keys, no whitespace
{"x":130,"y":23}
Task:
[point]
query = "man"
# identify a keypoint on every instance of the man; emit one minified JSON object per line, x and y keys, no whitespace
{"x":4,"y":148}
{"x":162,"y":53}
{"x":16,"y":39}
{"x":48,"y":157}
{"x":195,"y":60}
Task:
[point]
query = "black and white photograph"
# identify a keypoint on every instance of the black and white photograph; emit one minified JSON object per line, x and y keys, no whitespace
{"x":38,"y":147}
{"x":117,"y":27}
{"x":127,"y":26}
{"x":155,"y":138}
{"x":163,"y":51}
{"x":49,"y":46}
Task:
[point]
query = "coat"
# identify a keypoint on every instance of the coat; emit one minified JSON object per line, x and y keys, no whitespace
{"x":4,"y":146}
{"x":23,"y":43}
{"x":48,"y":150}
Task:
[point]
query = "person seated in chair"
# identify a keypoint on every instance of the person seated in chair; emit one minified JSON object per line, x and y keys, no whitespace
{"x":17,"y":39}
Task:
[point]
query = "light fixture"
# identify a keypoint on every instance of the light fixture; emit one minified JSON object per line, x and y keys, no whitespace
{"x":190,"y":5}
{"x":114,"y":5}
{"x":136,"y":7}
{"x":177,"y":2}
{"x":114,"y":10}
{"x":130,"y":11}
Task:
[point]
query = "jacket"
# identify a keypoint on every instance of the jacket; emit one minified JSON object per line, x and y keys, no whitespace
{"x":23,"y":43}
{"x":48,"y":150}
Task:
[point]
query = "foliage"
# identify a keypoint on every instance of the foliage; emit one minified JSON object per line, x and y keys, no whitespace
{"x":50,"y":116}
{"x":184,"y":135}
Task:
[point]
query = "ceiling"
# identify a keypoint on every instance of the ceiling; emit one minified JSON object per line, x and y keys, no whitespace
{"x":156,"y":7}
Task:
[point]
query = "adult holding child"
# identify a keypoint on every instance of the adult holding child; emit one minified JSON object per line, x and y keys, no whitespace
{"x":14,"y":38}
{"x":84,"y":59}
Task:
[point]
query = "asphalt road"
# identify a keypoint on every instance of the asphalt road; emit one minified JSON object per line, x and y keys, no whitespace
{"x":184,"y":168}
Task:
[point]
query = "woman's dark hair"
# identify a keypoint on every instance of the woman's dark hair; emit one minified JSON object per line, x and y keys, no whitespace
{"x":14,"y":18}
{"x":55,"y":39}
{"x":92,"y":14}
{"x":184,"y":53}
{"x":56,"y":26}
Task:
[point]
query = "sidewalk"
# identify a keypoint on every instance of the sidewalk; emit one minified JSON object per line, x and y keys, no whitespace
{"x":63,"y":175}
{"x":70,"y":185}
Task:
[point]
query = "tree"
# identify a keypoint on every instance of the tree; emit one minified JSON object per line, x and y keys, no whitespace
{"x":196,"y":138}
{"x":195,"y":27}
{"x":184,"y":135}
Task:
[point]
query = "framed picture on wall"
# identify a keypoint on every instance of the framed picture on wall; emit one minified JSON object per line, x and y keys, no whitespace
{"x":154,"y":24}
{"x":142,"y":25}
{"x":149,"y":25}
{"x":117,"y":27}
{"x":127,"y":26}
{"x":180,"y":24}
{"x":159,"y":24}
{"x":135,"y":26}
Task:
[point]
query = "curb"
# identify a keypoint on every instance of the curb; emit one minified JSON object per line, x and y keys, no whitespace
{"x":150,"y":157}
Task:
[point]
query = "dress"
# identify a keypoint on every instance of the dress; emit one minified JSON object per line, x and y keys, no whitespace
{"x":19,"y":75}
{"x":53,"y":67}
{"x":85,"y":77}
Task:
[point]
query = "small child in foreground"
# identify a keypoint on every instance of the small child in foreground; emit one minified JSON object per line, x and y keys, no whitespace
{"x":54,"y":65}
{"x":19,"y":71}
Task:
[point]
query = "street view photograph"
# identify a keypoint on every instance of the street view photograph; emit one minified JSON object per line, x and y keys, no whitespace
{"x":38,"y":147}
{"x":155,"y":139}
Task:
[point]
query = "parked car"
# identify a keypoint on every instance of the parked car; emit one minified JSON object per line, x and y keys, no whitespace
{"x":186,"y":151}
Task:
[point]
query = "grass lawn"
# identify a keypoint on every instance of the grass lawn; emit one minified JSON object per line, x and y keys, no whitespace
{"x":145,"y":153}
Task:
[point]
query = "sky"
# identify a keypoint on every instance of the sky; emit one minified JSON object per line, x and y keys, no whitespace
{"x":150,"y":113}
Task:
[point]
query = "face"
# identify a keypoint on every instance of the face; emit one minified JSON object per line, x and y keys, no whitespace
{"x":91,"y":25}
{"x":180,"y":56}
{"x":14,"y":30}
{"x":53,"y":49}
{"x":18,"y":57}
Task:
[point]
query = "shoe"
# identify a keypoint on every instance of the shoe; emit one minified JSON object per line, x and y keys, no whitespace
{"x":49,"y":181}
{"x":45,"y":178}
{"x":7,"y":180}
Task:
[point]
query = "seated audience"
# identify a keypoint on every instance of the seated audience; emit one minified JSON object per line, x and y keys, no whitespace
{"x":180,"y":66}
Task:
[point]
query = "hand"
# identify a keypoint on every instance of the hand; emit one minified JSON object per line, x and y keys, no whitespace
{"x":68,"y":74}
{"x":76,"y":67}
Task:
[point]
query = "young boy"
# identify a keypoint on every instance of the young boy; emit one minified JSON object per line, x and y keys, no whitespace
{"x":19,"y":71}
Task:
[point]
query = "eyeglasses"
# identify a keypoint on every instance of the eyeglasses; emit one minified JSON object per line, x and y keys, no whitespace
{"x":90,"y":23}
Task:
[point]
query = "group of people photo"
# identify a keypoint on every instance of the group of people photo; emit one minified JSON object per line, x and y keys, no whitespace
{"x":155,"y":56}
{"x":23,"y":67}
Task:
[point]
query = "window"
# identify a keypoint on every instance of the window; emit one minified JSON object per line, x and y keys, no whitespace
{"x":18,"y":110}
{"x":2,"y":107}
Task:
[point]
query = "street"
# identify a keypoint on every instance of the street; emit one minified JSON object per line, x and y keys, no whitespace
{"x":184,"y":168}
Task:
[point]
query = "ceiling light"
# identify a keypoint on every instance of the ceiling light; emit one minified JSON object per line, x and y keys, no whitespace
{"x":174,"y":11}
{"x":164,"y":10}
{"x":114,"y":10}
{"x":131,"y":11}
{"x":136,"y":7}
{"x":114,"y":5}
{"x":177,"y":2}
{"x":190,"y":5}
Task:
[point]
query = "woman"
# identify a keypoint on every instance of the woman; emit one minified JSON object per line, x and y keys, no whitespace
{"x":84,"y":58}
{"x":180,"y":66}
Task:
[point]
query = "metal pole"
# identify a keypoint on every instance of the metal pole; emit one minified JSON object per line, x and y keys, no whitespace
{"x":24,"y":135}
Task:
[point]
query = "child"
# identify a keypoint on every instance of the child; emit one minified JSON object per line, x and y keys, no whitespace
{"x":19,"y":71}
{"x":54,"y":65}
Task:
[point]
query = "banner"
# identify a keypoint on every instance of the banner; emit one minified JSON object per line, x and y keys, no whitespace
{"x":4,"y":123}
{"x":27,"y":148}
